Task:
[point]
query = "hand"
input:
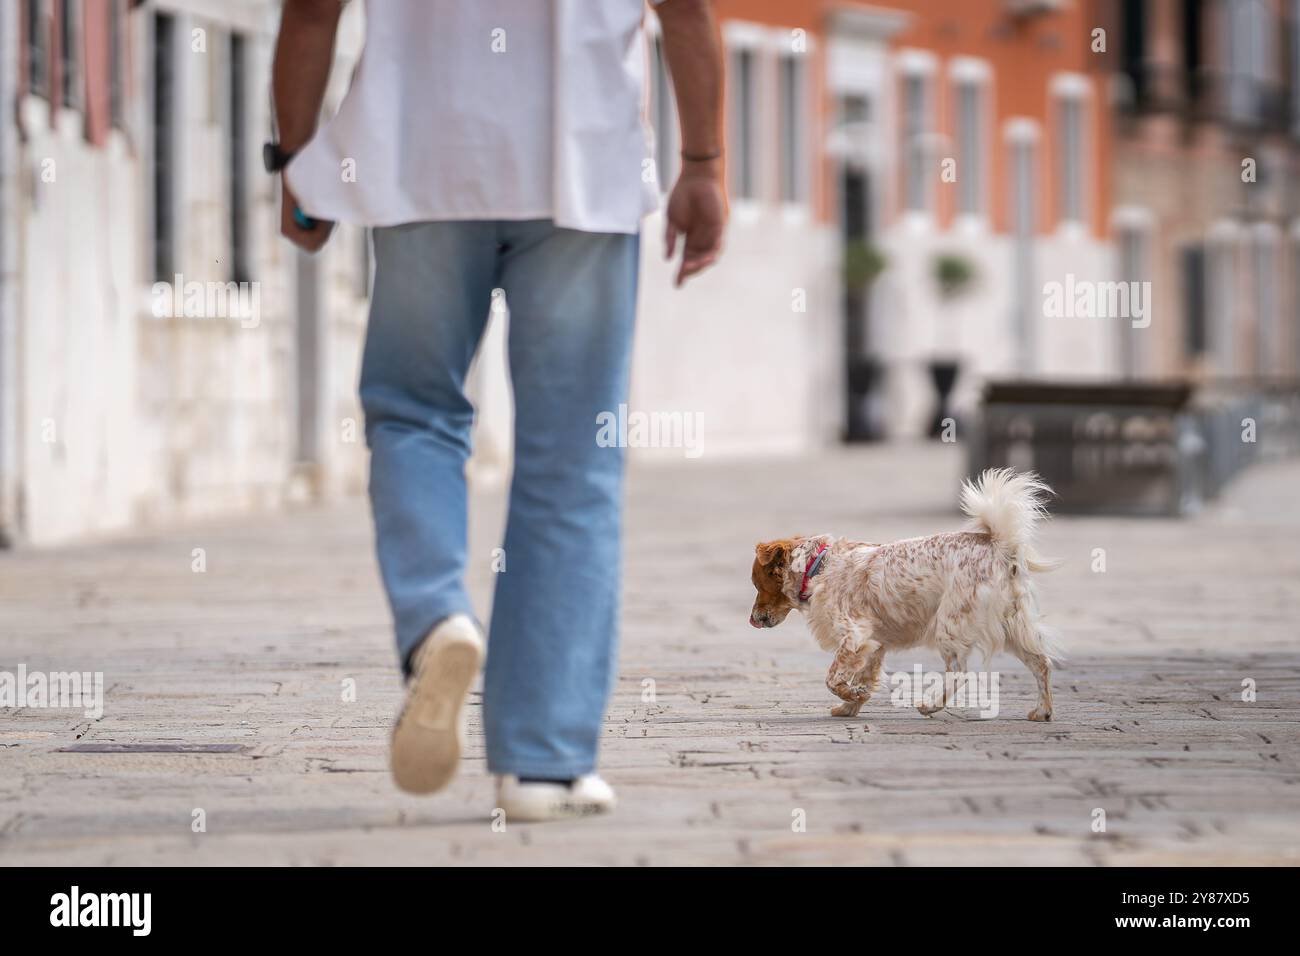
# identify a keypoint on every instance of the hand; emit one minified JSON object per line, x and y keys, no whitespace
{"x":309,"y":240}
{"x":697,"y":210}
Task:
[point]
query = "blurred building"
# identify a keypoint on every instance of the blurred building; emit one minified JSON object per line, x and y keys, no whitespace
{"x":977,"y":141}
{"x":906,"y":178}
{"x":163,"y":355}
{"x":1207,"y":181}
{"x":959,"y":149}
{"x":962,"y":158}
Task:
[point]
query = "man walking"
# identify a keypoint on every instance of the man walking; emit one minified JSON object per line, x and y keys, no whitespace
{"x":500,"y":144}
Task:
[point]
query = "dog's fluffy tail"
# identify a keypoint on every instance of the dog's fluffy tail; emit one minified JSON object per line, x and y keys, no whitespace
{"x":1008,"y":505}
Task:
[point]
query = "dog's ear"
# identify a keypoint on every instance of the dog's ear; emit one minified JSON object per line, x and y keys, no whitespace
{"x":773,"y":555}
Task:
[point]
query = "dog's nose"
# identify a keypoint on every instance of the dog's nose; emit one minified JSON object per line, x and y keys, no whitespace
{"x":756,"y":619}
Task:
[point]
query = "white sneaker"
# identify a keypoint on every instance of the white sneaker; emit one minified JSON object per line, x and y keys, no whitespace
{"x":430,"y":731}
{"x":534,"y":802}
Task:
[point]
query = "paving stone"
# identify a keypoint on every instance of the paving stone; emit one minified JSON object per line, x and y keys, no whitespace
{"x":737,"y":745}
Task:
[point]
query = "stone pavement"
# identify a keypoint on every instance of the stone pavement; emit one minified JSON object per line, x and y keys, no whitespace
{"x":737,"y":746}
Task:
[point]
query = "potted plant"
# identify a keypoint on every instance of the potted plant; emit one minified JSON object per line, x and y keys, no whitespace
{"x":954,"y":274}
{"x":863,"y":262}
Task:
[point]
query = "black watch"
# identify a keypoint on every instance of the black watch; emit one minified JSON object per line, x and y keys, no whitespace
{"x":274,"y":158}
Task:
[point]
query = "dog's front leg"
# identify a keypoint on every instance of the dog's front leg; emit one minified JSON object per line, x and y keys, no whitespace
{"x":853,"y":674}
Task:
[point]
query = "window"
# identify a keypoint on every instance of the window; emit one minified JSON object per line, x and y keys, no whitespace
{"x":1133,"y":50}
{"x":1022,"y":138}
{"x":970,"y":149}
{"x":1250,"y":59}
{"x":916,"y":126}
{"x":1193,"y":55}
{"x":38,"y":43}
{"x":1264,"y":277}
{"x":69,"y":50}
{"x":238,"y":139}
{"x":1071,"y":92}
{"x":971,"y":80}
{"x":664,"y":115}
{"x":1132,"y":268}
{"x":744,"y":123}
{"x":164,"y":132}
{"x":1293,"y":38}
{"x":1223,"y":298}
{"x":1023,"y":150}
{"x":1293,"y":254}
{"x":1193,"y":266}
{"x":794,"y":128}
{"x":116,"y":79}
{"x":1071,"y":149}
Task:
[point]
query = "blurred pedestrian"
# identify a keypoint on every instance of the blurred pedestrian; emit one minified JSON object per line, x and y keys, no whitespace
{"x":499,"y":144}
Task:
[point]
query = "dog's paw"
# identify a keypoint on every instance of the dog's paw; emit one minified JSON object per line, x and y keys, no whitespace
{"x":1040,"y":713}
{"x":927,"y":710}
{"x":846,"y":709}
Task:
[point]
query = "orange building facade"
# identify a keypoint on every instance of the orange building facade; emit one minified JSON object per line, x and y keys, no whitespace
{"x":957,"y":154}
{"x":972,"y":159}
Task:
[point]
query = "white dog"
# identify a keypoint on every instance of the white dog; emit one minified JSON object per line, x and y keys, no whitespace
{"x":954,"y":592}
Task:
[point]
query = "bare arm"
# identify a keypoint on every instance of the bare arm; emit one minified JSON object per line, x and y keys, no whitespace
{"x":304,"y":51}
{"x":697,"y":207}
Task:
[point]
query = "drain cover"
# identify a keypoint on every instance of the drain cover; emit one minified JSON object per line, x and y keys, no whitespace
{"x":153,"y":749}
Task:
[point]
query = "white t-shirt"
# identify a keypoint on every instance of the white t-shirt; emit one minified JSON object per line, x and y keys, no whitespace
{"x":489,"y":109}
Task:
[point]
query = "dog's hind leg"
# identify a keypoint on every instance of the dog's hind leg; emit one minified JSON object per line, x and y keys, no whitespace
{"x":954,"y":665}
{"x":1041,"y":668}
{"x":853,"y":674}
{"x":947,"y":627}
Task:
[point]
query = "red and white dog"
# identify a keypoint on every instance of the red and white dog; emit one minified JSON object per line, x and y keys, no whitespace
{"x":954,"y":592}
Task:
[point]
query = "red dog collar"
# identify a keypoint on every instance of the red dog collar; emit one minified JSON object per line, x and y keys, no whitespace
{"x":810,"y":571}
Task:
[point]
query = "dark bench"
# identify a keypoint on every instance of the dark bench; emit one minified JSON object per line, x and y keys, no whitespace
{"x":1123,"y":448}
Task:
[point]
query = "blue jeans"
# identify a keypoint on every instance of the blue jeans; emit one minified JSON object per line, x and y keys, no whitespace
{"x":554,"y":631}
